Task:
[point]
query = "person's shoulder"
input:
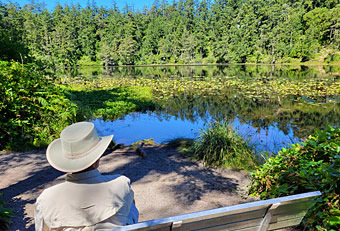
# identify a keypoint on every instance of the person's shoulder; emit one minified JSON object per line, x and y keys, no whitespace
{"x":52,"y":192}
{"x":114,"y":182}
{"x":117,"y":178}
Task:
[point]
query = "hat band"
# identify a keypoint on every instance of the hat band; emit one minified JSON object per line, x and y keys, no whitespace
{"x":67,"y":155}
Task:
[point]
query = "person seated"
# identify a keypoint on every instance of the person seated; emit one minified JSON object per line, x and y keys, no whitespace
{"x":86,"y":200}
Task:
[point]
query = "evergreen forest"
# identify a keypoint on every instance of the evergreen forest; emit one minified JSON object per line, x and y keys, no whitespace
{"x":176,"y":32}
{"x":36,"y":43}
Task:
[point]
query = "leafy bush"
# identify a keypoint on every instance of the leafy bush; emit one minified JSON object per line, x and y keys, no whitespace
{"x":32,"y":110}
{"x":310,"y":166}
{"x":87,"y":61}
{"x":5,"y":215}
{"x":332,"y":57}
{"x":220,"y":145}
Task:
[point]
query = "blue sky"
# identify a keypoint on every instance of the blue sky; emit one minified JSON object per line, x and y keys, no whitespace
{"x":50,"y":4}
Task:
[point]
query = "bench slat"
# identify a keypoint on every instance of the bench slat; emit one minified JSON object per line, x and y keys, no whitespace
{"x":249,"y":224}
{"x":224,"y":220}
{"x":248,"y":229}
{"x":146,"y":227}
{"x":285,"y":224}
{"x":295,"y":206}
{"x":286,"y":215}
{"x":214,"y":213}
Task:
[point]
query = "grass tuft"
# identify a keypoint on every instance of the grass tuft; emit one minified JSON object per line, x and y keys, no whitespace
{"x":219,"y":145}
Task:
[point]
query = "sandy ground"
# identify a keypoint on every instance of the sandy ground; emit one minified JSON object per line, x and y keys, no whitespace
{"x":165,"y":183}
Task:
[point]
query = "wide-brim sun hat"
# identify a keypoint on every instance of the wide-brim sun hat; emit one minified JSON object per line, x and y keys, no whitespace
{"x":78,"y":147}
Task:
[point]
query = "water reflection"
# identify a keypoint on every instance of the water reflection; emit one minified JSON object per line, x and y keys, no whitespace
{"x":289,"y":116}
{"x":270,"y":124}
{"x":299,"y":72}
{"x":270,"y":139}
{"x":139,"y":126}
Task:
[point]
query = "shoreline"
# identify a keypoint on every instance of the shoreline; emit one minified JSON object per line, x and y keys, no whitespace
{"x":219,"y":64}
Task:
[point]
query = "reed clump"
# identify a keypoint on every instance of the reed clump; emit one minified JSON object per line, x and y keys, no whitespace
{"x":220,"y":145}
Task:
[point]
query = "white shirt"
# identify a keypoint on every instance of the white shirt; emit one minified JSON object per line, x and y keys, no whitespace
{"x":86,"y":201}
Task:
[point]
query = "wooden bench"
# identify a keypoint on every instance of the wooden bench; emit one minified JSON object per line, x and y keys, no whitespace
{"x":278,"y":213}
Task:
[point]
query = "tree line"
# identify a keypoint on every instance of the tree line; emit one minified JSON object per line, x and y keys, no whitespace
{"x":184,"y":31}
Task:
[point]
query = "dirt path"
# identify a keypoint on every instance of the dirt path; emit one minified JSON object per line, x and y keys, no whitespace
{"x":165,"y":183}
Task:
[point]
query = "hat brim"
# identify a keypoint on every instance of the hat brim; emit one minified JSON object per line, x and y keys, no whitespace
{"x":59,"y":161}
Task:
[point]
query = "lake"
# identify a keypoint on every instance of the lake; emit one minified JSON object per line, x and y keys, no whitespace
{"x":269,"y":123}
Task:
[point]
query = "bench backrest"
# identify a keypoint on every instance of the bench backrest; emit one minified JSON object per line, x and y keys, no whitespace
{"x":269,"y":214}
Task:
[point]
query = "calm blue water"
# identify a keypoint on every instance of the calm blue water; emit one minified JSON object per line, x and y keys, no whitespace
{"x":269,"y":124}
{"x":139,"y":126}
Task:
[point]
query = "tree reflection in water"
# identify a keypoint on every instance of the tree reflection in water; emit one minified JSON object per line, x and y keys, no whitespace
{"x":270,"y":123}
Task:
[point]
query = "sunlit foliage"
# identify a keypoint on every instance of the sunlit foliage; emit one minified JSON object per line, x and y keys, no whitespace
{"x":309,"y":166}
{"x":183,"y":31}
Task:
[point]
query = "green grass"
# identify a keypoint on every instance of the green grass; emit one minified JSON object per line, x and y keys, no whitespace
{"x":182,"y":145}
{"x":220,"y":145}
{"x":145,"y":141}
{"x":111,"y":103}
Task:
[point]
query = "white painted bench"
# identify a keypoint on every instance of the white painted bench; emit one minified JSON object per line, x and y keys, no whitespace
{"x":278,"y":213}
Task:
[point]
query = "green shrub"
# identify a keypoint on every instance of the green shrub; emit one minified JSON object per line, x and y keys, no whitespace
{"x":310,"y":166}
{"x":209,"y":59}
{"x":5,"y":215}
{"x":220,"y":145}
{"x":86,"y":61}
{"x":332,"y":57}
{"x":32,"y":111}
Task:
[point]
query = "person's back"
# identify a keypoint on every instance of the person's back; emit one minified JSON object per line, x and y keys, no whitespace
{"x":87,"y":200}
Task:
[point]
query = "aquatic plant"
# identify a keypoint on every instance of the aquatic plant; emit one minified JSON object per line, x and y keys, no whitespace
{"x":257,"y":89}
{"x":220,"y":145}
{"x":253,"y":100}
{"x":309,"y":166}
